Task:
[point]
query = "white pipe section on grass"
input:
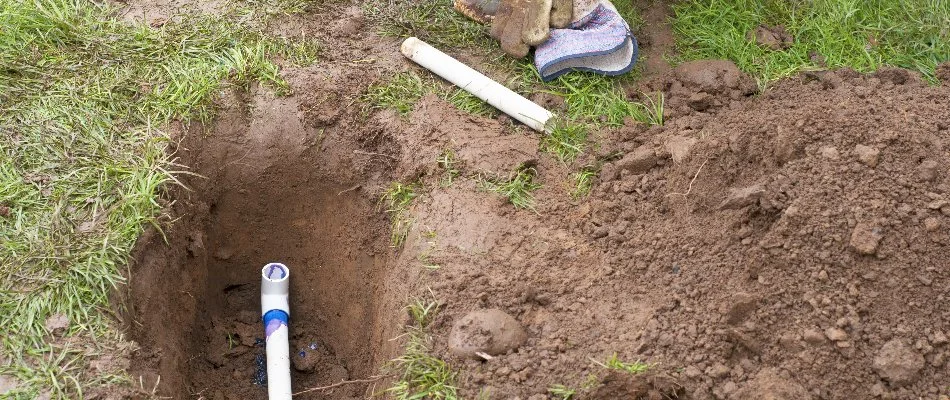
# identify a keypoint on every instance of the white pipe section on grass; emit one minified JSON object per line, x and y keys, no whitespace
{"x":275,"y":310}
{"x":474,"y":82}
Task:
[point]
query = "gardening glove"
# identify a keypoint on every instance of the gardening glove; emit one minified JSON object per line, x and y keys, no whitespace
{"x":598,"y":40}
{"x":519,"y":24}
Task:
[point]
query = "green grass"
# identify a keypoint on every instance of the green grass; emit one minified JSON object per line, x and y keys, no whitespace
{"x":863,"y":35}
{"x":396,"y":200}
{"x":467,"y":102}
{"x":583,"y":182}
{"x":562,"y":392}
{"x":565,"y":141}
{"x":517,"y":188}
{"x":615,"y":363}
{"x":592,"y":100}
{"x":83,"y":100}
{"x":399,"y":93}
{"x":449,"y":166}
{"x":420,"y":374}
{"x":434,"y":21}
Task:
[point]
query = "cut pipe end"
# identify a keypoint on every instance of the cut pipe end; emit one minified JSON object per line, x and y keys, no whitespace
{"x":275,"y":287}
{"x":409,"y":46}
{"x":275,"y":272}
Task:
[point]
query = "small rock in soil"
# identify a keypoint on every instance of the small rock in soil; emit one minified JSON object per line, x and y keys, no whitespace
{"x":898,"y":363}
{"x":742,"y":197}
{"x":928,"y":170}
{"x":772,"y":37}
{"x":489,"y":331}
{"x":701,"y":101}
{"x":836,"y":334}
{"x":741,"y":305}
{"x":550,"y":101}
{"x":829,"y":152}
{"x":57,"y":324}
{"x":7,"y":383}
{"x":943,"y":72}
{"x":679,"y":147}
{"x":718,"y":371}
{"x":865,"y":238}
{"x":305,"y":360}
{"x":641,"y":160}
{"x":813,"y":337}
{"x":932,"y":224}
{"x":4,"y":211}
{"x":867,"y":155}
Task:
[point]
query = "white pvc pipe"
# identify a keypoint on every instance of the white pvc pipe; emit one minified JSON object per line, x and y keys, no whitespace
{"x":275,"y":310}
{"x":474,"y":82}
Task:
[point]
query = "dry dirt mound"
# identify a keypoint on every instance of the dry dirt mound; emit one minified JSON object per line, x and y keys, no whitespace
{"x":805,"y":229}
{"x":785,"y":245}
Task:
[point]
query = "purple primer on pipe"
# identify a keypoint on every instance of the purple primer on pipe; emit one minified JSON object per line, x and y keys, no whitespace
{"x":276,"y":269}
{"x":272,"y":326}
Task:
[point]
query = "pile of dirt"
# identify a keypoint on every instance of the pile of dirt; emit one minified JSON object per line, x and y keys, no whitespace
{"x":803,"y":230}
{"x":786,"y":245}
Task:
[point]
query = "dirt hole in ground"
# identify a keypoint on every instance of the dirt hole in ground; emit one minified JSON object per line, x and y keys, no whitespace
{"x":269,"y":191}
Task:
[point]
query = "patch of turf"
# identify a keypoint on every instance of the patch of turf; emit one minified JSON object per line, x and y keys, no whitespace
{"x":399,"y":93}
{"x":83,"y":98}
{"x":517,"y":188}
{"x":420,"y":374}
{"x":616,"y":363}
{"x":396,"y":200}
{"x":583,"y":182}
{"x":565,"y":140}
{"x":863,"y":35}
{"x":562,"y":392}
{"x":467,"y":102}
{"x":433,"y":21}
{"x":403,"y":90}
{"x":450,"y":169}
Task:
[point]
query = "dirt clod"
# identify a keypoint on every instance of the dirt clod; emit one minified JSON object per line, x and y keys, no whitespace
{"x":772,"y":37}
{"x":742,"y":197}
{"x":679,"y":147}
{"x":836,"y":334}
{"x":304,"y":360}
{"x":943,"y":72}
{"x":898,"y":363}
{"x":740,"y":306}
{"x":620,"y":385}
{"x":867,"y":155}
{"x":866,"y":237}
{"x":768,"y":384}
{"x":928,"y":170}
{"x":641,"y":160}
{"x":490,"y":331}
{"x":7,"y":383}
{"x":57,"y":324}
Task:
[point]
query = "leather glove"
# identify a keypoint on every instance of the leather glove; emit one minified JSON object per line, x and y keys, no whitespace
{"x":519,"y":24}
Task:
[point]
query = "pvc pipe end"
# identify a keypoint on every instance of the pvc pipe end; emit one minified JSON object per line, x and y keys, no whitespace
{"x":275,"y":272}
{"x":409,"y":46}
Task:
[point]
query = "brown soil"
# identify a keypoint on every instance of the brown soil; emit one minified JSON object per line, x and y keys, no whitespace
{"x":787,"y":245}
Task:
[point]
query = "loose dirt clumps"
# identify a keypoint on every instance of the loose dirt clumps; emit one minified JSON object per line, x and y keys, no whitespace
{"x":772,"y":37}
{"x":490,"y":332}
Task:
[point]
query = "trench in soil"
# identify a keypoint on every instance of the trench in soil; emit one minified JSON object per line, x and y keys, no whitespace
{"x":195,"y":290}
